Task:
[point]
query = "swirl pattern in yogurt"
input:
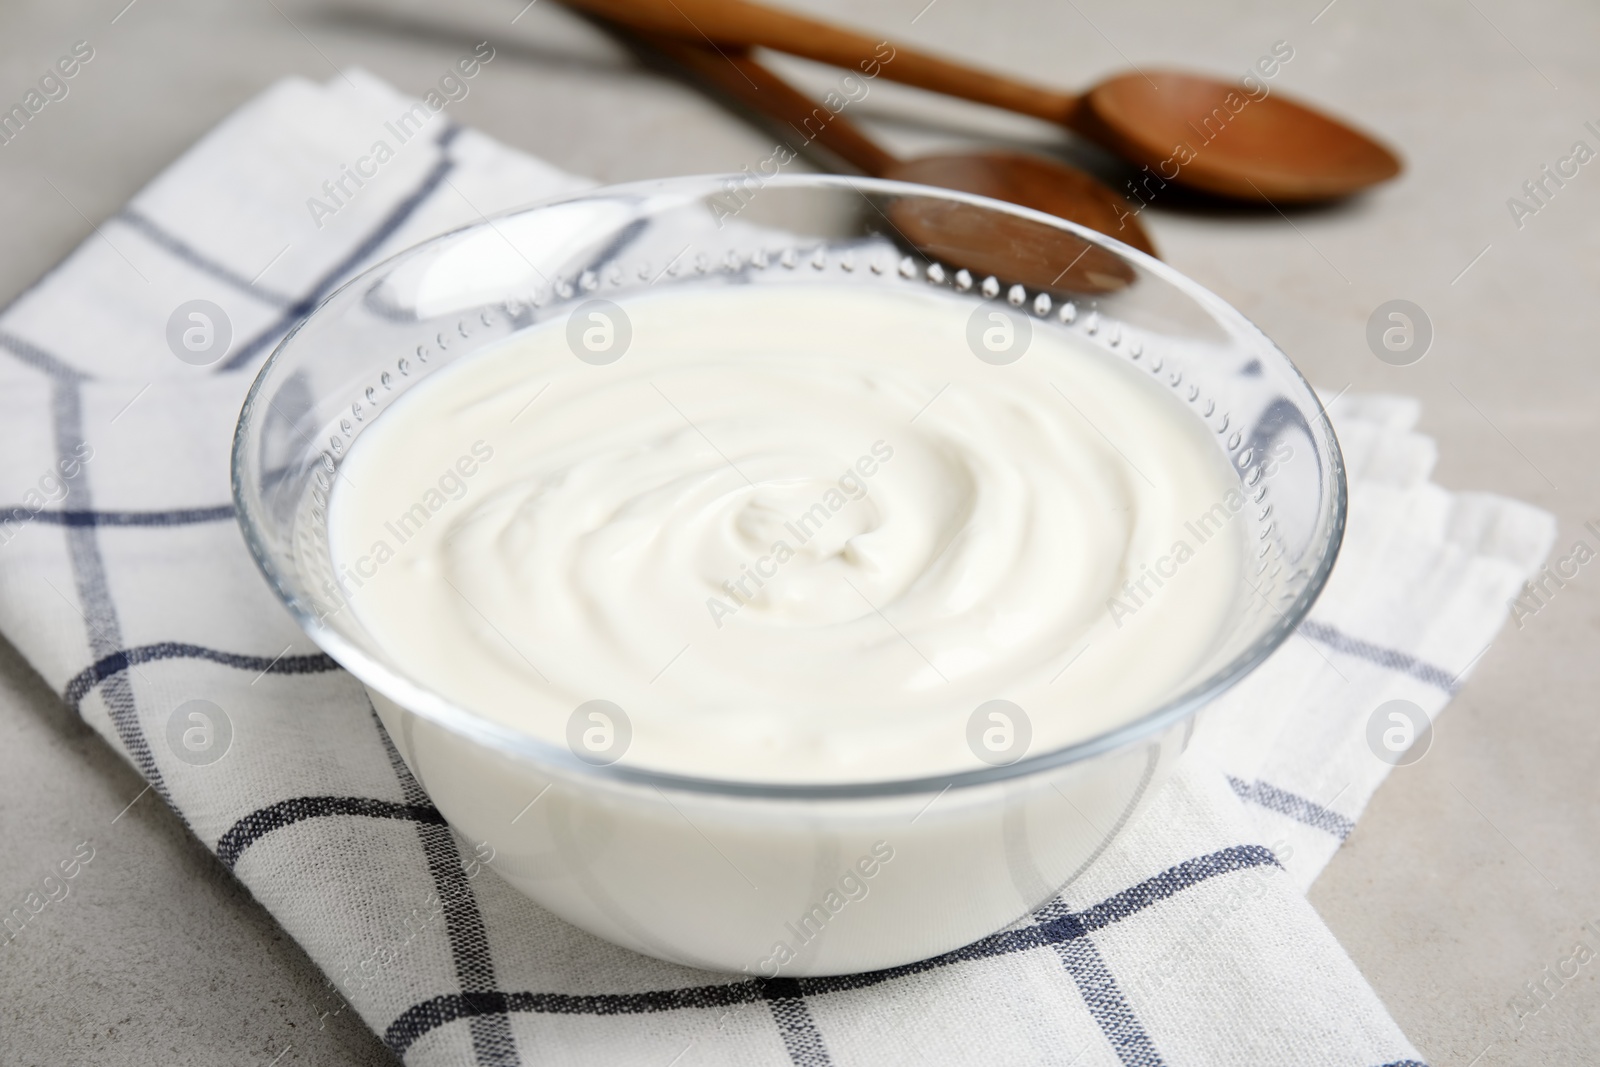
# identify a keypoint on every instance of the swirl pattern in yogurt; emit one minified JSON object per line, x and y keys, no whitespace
{"x":798,"y":533}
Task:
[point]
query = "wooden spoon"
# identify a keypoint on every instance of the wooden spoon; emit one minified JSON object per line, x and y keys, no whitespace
{"x":1188,"y":129}
{"x":1019,"y":250}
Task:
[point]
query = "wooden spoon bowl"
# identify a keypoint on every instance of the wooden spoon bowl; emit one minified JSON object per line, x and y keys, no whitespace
{"x":1031,"y":181}
{"x":1020,"y":250}
{"x":1220,"y":138}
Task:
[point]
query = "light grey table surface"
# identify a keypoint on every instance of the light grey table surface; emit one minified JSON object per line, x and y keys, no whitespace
{"x":1470,"y":872}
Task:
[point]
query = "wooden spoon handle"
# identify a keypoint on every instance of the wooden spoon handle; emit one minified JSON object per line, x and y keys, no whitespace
{"x":739,"y":23}
{"x":758,"y":87}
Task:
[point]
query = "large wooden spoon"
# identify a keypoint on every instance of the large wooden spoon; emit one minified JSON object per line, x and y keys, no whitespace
{"x":1039,"y":256}
{"x":1188,"y":129}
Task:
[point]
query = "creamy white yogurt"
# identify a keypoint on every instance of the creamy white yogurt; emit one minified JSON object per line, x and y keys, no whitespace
{"x":797,"y":533}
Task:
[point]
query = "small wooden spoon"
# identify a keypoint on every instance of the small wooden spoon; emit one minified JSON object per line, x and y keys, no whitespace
{"x":1188,"y":129}
{"x":1027,"y":252}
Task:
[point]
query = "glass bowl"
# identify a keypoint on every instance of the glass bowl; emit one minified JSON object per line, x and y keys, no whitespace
{"x":798,"y":877}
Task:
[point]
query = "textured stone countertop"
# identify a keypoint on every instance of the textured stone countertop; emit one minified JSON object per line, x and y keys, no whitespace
{"x":1470,"y":872}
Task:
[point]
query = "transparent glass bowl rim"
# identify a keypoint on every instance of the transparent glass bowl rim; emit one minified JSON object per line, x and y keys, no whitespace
{"x":433,"y":706}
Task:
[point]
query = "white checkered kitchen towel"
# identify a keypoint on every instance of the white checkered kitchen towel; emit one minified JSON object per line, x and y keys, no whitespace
{"x":125,"y":582}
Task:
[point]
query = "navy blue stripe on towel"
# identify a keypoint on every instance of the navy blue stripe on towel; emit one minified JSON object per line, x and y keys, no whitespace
{"x":1395,"y":660}
{"x":181,"y":249}
{"x":258,"y":824}
{"x":331,"y":280}
{"x":94,"y":595}
{"x":493,"y":1044}
{"x":801,"y":1038}
{"x":86,"y":517}
{"x":115,"y":663}
{"x":1106,"y":1004}
{"x":1294,"y":806}
{"x":39,"y":359}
